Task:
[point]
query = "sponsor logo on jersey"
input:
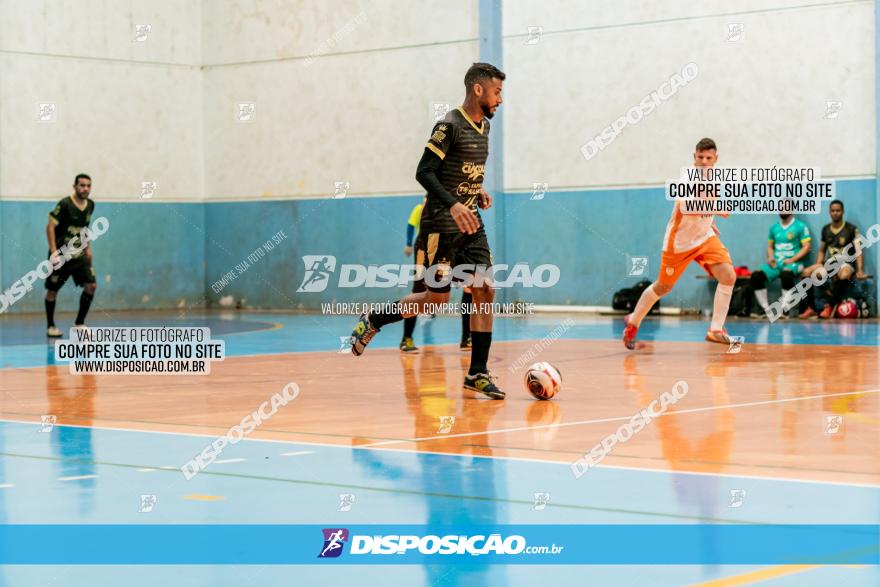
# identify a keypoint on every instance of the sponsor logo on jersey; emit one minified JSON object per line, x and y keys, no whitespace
{"x":473,"y":170}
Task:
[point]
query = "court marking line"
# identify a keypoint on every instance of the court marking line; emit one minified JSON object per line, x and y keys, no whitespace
{"x":621,"y":418}
{"x":660,"y":458}
{"x":459,"y":455}
{"x":436,"y":494}
{"x":751,"y":577}
{"x":203,"y":497}
{"x":6,"y":485}
{"x":77,"y":478}
{"x":38,"y":346}
{"x":227,"y":461}
{"x":757,"y":576}
{"x":451,"y":345}
{"x":861,"y":418}
{"x":297,"y":453}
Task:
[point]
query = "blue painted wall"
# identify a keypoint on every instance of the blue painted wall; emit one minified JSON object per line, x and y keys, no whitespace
{"x":176,"y":252}
{"x":354,"y":230}
{"x":151,"y":249}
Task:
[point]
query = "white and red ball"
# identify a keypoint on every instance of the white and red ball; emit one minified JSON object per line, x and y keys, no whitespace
{"x":847,"y":309}
{"x":543,"y":380}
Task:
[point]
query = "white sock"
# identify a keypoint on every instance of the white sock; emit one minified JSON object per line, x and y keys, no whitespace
{"x":722,"y":304}
{"x":761,"y":296}
{"x":644,"y":305}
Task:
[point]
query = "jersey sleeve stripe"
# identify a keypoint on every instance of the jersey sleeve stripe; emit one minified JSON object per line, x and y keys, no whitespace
{"x":433,"y":148}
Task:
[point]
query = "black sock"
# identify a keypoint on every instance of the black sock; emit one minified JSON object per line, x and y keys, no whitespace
{"x":466,"y":298}
{"x":85,"y":300}
{"x":838,"y":290}
{"x":808,"y":302}
{"x":480,"y":352}
{"x":409,"y":326}
{"x":50,"y":313}
{"x":387,"y":314}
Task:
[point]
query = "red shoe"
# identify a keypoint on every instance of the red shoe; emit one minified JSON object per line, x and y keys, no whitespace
{"x":629,"y":333}
{"x":808,"y":313}
{"x":826,"y":312}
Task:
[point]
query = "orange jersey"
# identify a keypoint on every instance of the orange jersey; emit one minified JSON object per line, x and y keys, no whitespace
{"x":686,"y":231}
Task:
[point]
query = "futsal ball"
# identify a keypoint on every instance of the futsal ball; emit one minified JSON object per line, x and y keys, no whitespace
{"x":543,"y":380}
{"x":847,"y":309}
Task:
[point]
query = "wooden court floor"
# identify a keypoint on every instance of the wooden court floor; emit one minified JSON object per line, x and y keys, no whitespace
{"x":768,"y":411}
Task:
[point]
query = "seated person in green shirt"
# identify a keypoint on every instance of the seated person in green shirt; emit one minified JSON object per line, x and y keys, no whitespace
{"x":788,"y":244}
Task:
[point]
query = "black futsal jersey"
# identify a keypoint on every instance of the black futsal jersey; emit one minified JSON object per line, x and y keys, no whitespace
{"x":463,"y":146}
{"x":835,"y":242}
{"x":69,"y":220}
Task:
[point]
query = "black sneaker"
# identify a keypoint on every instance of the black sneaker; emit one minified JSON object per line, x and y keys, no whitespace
{"x":483,"y":383}
{"x":362,"y":334}
{"x":408,"y":346}
{"x":466,"y":344}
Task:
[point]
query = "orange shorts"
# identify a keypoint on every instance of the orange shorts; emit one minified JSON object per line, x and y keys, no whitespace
{"x":672,"y":265}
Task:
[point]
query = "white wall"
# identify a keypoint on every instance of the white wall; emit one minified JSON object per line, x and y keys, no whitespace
{"x":345,"y":94}
{"x":762,"y":98}
{"x":126,"y":111}
{"x":341,"y":95}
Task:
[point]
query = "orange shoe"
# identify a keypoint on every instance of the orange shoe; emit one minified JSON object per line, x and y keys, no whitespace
{"x":629,"y":333}
{"x":719,"y":336}
{"x":826,"y":312}
{"x":808,"y":313}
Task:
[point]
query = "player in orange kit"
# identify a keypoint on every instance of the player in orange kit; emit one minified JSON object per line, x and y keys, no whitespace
{"x":689,"y":237}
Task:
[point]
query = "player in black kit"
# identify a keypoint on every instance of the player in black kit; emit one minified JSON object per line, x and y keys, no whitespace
{"x":66,"y":222}
{"x":836,"y":236}
{"x":452,"y":232}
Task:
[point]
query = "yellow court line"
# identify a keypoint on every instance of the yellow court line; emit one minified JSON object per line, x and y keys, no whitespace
{"x":764,"y":574}
{"x":273,"y":326}
{"x":201,"y":497}
{"x":861,"y":418}
{"x":755,"y":576}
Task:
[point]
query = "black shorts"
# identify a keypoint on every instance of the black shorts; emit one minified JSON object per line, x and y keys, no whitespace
{"x":81,"y":271}
{"x":439,"y":253}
